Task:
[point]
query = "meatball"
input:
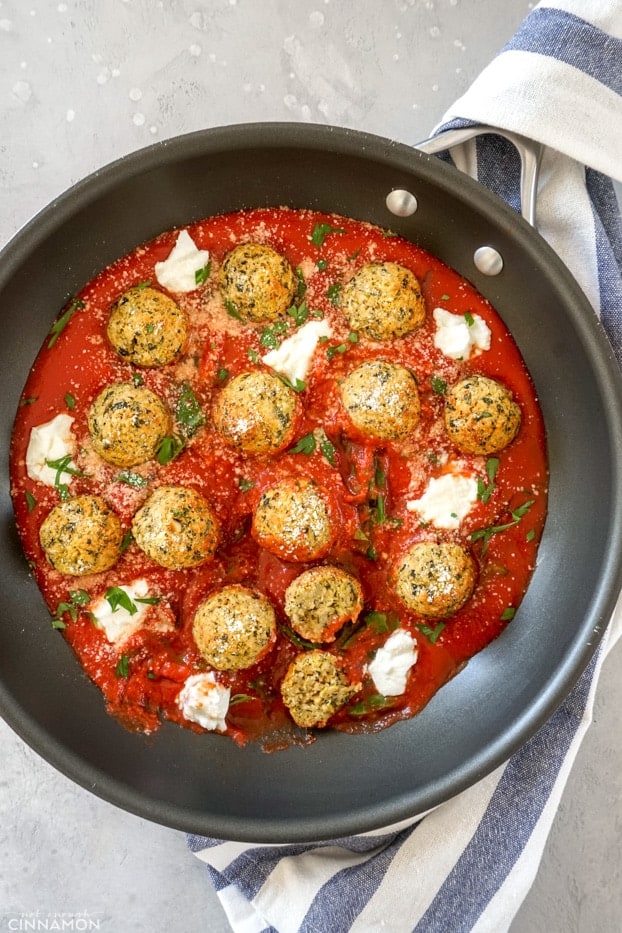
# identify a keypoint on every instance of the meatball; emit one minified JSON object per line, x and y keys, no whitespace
{"x":146,"y":327}
{"x":257,"y":282}
{"x":176,"y":528}
{"x":255,"y":413}
{"x":381,"y":399}
{"x":314,"y":688}
{"x":383,"y":300}
{"x":234,"y":628}
{"x":292,"y":520}
{"x":81,"y":535}
{"x":127,"y":424}
{"x":321,"y":600}
{"x":481,"y":416}
{"x":435,"y":580}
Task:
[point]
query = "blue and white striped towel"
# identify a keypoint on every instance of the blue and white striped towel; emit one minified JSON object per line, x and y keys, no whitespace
{"x":467,"y":865}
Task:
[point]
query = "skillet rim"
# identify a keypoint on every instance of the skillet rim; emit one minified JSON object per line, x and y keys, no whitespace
{"x":340,"y":141}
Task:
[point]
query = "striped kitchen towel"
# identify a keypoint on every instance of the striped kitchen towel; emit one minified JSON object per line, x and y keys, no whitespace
{"x":467,"y":865}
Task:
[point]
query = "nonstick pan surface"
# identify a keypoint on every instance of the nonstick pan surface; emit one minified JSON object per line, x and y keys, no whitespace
{"x":341,"y":784}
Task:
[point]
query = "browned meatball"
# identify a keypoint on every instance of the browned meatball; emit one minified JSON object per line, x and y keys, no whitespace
{"x":481,"y":416}
{"x":176,"y":527}
{"x":81,"y":536}
{"x":257,"y":282}
{"x":234,"y":628}
{"x":435,"y":580}
{"x":255,"y":413}
{"x":383,"y":300}
{"x":127,"y":424}
{"x":292,"y":520}
{"x":146,"y":327}
{"x":314,"y":688}
{"x":321,"y":600}
{"x":381,"y":399}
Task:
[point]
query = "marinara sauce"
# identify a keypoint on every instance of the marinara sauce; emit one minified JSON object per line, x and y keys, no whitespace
{"x":368,"y":482}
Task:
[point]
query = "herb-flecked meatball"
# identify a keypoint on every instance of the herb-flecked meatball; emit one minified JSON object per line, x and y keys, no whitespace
{"x":321,"y":600}
{"x":381,"y":399}
{"x":292,"y":520}
{"x":81,"y":535}
{"x":481,"y":416}
{"x":146,"y":327}
{"x":314,"y":688}
{"x":234,"y":628}
{"x":176,"y":528}
{"x":435,"y":580}
{"x":127,"y":424}
{"x":383,"y":300}
{"x":255,"y":413}
{"x":257,"y":282}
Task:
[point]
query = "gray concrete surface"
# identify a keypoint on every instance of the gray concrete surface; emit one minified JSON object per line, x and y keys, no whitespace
{"x":83,"y":82}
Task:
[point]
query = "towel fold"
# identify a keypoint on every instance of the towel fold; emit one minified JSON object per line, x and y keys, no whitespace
{"x":468,"y":864}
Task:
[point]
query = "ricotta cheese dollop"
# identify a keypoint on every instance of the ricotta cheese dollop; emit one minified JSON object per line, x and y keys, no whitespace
{"x":204,"y":701}
{"x":119,"y":623}
{"x":447,"y":500}
{"x":392,"y":663}
{"x":50,"y":441}
{"x":457,"y":335}
{"x":178,"y":271}
{"x":293,"y":358}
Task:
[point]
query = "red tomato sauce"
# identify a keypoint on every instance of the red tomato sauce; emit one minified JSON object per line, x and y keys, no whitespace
{"x":141,"y":678}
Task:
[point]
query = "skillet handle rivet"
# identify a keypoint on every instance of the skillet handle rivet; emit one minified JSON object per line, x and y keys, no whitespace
{"x":401,"y":202}
{"x":488,"y":260}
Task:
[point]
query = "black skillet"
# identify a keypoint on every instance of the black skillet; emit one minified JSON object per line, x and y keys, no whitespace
{"x":341,"y":784}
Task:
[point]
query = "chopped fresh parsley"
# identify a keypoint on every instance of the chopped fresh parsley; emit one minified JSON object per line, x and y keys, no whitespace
{"x":508,"y":614}
{"x":431,"y":634}
{"x":372,"y":703}
{"x":486,"y":489}
{"x":77,"y":599}
{"x":321,"y":231}
{"x":59,"y":325}
{"x":468,"y":317}
{"x":132,"y":479}
{"x":232,"y":311}
{"x":170,"y":447}
{"x":333,"y":293}
{"x":70,"y":401}
{"x":202,"y":275}
{"x":270,"y":335}
{"x":439,"y":386}
{"x":245,"y":484}
{"x":485,"y":534}
{"x":301,"y":288}
{"x":222,"y":374}
{"x":188,"y":412}
{"x":241,"y":698}
{"x":299,"y":313}
{"x":119,"y":598}
{"x":122,"y":668}
{"x":306,"y":445}
{"x":328,"y":450}
{"x":333,"y":350}
{"x":30,"y":500}
{"x":62,"y":465}
{"x":322,"y":264}
{"x":298,"y":385}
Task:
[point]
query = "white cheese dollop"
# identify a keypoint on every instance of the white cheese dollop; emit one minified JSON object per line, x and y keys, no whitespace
{"x":456,"y":338}
{"x":178,"y":271}
{"x":293,"y":358}
{"x":447,"y":500}
{"x":204,"y":701}
{"x":50,"y":441}
{"x":119,"y":624}
{"x":389,"y":668}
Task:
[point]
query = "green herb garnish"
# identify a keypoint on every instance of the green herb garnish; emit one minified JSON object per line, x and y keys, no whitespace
{"x":485,"y":534}
{"x":70,"y":401}
{"x":132,"y":479}
{"x":321,"y":231}
{"x":299,"y":313}
{"x":485,"y":490}
{"x":232,"y":311}
{"x":30,"y":500}
{"x":431,"y":634}
{"x":439,"y":386}
{"x":170,"y":447}
{"x":245,"y":484}
{"x":188,"y":412}
{"x":122,"y":668}
{"x":306,"y":445}
{"x":508,"y":614}
{"x":59,"y":325}
{"x":202,"y":275}
{"x":333,"y":293}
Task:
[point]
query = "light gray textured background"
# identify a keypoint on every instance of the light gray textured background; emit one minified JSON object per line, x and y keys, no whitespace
{"x":84,"y":82}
